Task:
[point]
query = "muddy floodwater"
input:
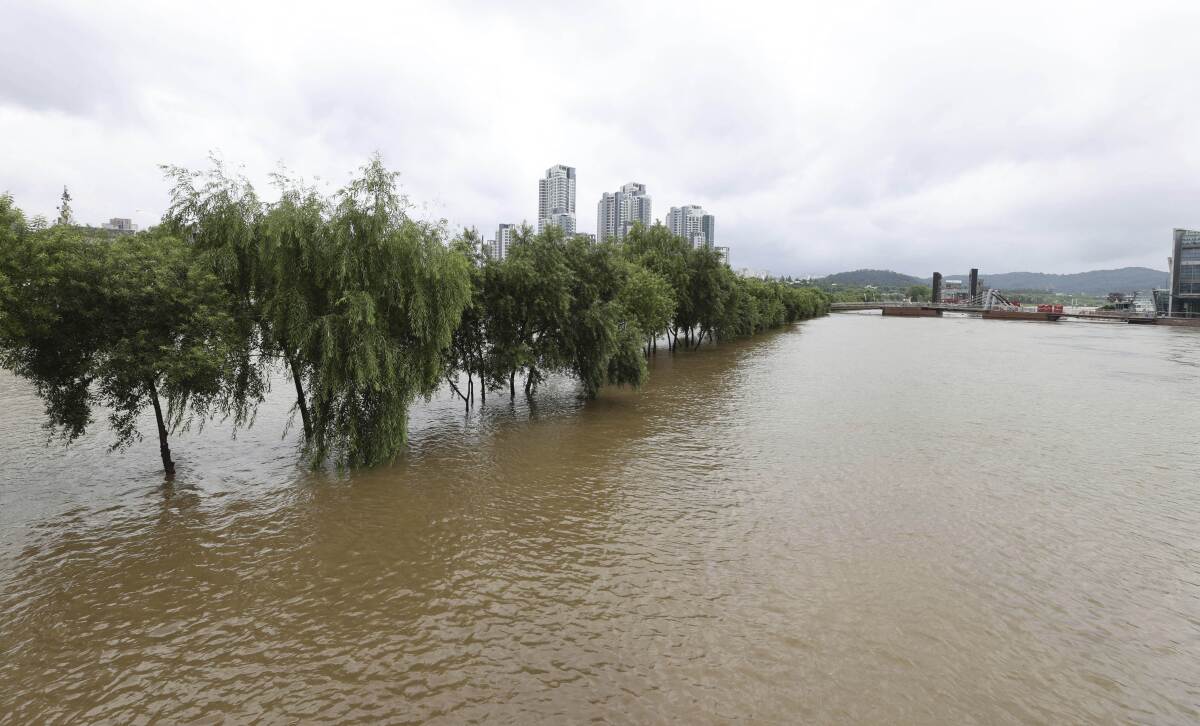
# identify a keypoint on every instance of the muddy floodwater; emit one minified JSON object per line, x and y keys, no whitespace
{"x":856,"y":520}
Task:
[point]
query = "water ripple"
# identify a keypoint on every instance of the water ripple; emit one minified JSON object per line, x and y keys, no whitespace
{"x":857,"y":520}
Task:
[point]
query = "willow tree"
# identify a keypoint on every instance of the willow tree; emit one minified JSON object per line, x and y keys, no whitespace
{"x":666,"y":255}
{"x":649,"y":303}
{"x":294,"y":254}
{"x":467,"y":354}
{"x":602,"y":341}
{"x":527,"y":299}
{"x":710,"y":291}
{"x":393,"y":296}
{"x":126,"y":323}
{"x":219,"y":215}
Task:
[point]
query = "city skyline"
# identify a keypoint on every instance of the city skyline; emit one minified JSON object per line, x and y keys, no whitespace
{"x":616,"y":213}
{"x":833,"y":138}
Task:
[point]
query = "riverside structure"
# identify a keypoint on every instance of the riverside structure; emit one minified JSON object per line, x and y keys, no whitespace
{"x":1184,"y":264}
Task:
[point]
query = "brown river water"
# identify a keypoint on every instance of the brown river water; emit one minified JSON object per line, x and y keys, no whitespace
{"x":857,"y":520}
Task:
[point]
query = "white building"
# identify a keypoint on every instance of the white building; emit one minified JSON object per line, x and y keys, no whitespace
{"x":504,"y":239}
{"x":556,"y":199}
{"x":693,"y":224}
{"x":618,"y":211}
{"x":120,"y":225}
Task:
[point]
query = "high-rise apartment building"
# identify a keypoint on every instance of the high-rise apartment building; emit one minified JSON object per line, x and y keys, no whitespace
{"x":693,"y":224}
{"x":504,"y":240}
{"x":618,"y":211}
{"x":556,"y":199}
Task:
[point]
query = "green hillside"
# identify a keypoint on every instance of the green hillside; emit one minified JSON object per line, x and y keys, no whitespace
{"x":862,"y":278}
{"x":1095,"y":282}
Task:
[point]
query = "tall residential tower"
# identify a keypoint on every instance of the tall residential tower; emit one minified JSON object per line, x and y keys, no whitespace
{"x":693,"y":224}
{"x":618,"y":211}
{"x":556,"y":199}
{"x":504,"y":239}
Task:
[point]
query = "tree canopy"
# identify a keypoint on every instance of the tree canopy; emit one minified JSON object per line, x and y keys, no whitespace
{"x":364,"y":307}
{"x":125,"y":323}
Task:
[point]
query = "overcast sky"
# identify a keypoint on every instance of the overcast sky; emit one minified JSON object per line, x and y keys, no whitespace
{"x":1046,"y":136}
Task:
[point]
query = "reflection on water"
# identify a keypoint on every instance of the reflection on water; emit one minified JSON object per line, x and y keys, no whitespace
{"x":859,"y":519}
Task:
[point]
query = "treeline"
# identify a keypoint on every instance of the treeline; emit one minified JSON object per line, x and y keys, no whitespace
{"x":362,"y":306}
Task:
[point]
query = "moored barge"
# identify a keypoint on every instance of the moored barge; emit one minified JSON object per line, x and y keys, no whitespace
{"x":1000,"y":314}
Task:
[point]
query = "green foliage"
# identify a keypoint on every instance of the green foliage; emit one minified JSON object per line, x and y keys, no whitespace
{"x":602,"y":339}
{"x":468,"y":344}
{"x":855,"y":294}
{"x":117,"y":322}
{"x":919,"y":293}
{"x":648,"y":300}
{"x":357,"y":300}
{"x":220,"y":216}
{"x":394,"y":296}
{"x":864,"y":278}
{"x":365,"y":307}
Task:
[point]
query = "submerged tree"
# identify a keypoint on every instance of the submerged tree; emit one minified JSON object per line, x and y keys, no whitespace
{"x":666,"y":255}
{"x":128,"y":323}
{"x":601,"y":342}
{"x":366,"y":308}
{"x":393,"y":296}
{"x":219,"y":215}
{"x":467,"y":353}
{"x":649,"y":303}
{"x":527,"y":300}
{"x":294,"y":251}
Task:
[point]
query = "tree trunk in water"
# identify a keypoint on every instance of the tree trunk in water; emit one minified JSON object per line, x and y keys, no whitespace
{"x":470,"y":391}
{"x":528,"y":382}
{"x":482,"y":377}
{"x":453,"y":387}
{"x":512,"y":385}
{"x":482,"y":383}
{"x":301,"y":403}
{"x":163,"y":448}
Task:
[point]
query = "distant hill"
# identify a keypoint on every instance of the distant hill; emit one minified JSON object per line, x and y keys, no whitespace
{"x":1096,"y":282}
{"x":862,"y":278}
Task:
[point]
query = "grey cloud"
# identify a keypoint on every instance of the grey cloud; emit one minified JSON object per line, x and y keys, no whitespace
{"x":53,"y":61}
{"x":823,"y":137}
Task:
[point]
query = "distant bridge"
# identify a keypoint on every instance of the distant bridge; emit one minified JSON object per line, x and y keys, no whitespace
{"x":1005,"y":312}
{"x":993,"y":304}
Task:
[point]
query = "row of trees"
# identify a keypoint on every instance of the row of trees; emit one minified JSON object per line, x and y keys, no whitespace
{"x":362,"y":306}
